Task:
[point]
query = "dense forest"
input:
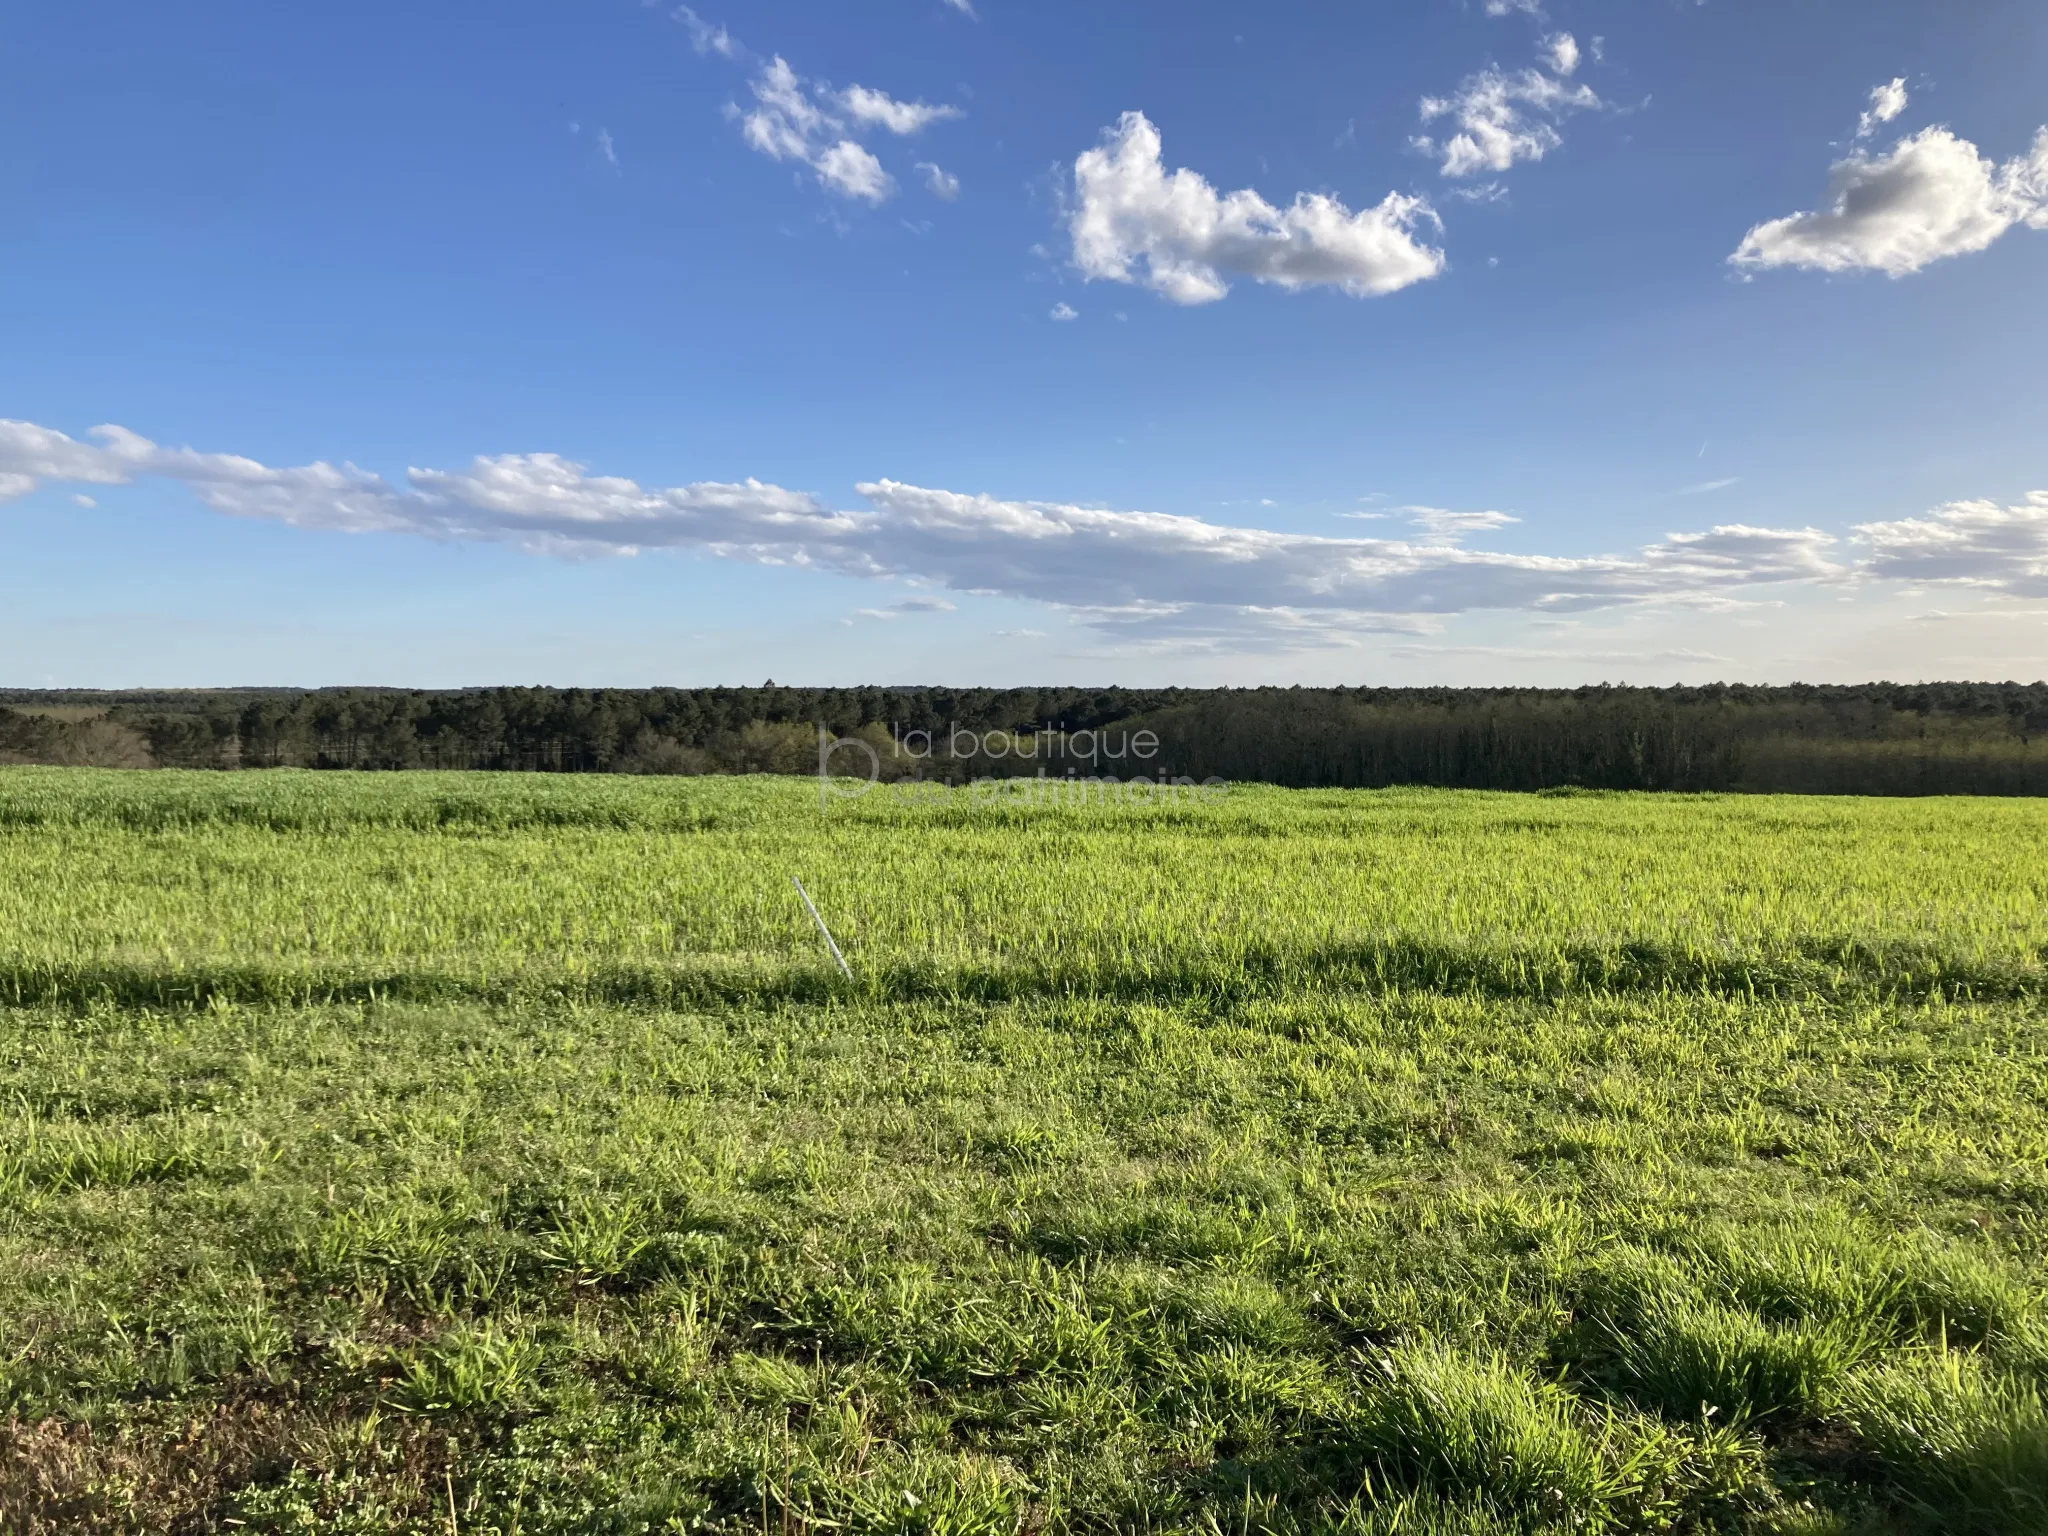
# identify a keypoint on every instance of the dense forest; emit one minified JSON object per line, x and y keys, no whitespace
{"x":1878,"y":738}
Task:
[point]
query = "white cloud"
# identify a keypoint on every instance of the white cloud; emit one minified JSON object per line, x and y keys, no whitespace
{"x":964,"y":7}
{"x":941,"y":185}
{"x":607,"y":148}
{"x":879,"y":109}
{"x":909,"y":605}
{"x":1560,"y":51}
{"x":1974,"y":543}
{"x":1136,"y":569}
{"x":1065,"y":311}
{"x":1737,"y":553}
{"x":1128,"y":212}
{"x":1138,"y":575}
{"x":1706,"y":487}
{"x":1442,"y":524}
{"x":1500,"y":118}
{"x":706,"y":38}
{"x":792,"y":121}
{"x":852,"y":172}
{"x":1184,"y":629}
{"x":1939,"y":616}
{"x":786,"y":121}
{"x":2025,"y":178}
{"x":29,"y":453}
{"x":1509,"y":7}
{"x":1932,"y":196}
{"x":1887,"y":101}
{"x":1526,"y":653}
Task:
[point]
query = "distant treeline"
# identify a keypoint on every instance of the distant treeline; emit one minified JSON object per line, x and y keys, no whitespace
{"x":1877,"y":738}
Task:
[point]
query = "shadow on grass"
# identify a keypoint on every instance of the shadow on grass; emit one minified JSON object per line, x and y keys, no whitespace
{"x":1845,"y":971}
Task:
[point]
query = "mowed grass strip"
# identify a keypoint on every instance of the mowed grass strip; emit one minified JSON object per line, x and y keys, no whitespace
{"x":1331,"y":1251}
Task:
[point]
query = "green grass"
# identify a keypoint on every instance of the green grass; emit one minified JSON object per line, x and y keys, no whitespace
{"x":425,"y":1151}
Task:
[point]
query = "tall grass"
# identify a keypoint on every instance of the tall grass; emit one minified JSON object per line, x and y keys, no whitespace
{"x":426,"y":884}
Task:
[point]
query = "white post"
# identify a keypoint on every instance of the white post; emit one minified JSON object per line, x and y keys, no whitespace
{"x":821,"y":926}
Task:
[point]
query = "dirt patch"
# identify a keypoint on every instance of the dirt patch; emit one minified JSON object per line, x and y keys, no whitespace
{"x":182,"y":1476}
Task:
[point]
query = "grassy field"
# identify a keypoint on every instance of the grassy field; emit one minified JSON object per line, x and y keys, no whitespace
{"x":446,"y":1153}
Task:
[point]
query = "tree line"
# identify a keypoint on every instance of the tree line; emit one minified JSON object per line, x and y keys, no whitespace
{"x":1876,"y":738}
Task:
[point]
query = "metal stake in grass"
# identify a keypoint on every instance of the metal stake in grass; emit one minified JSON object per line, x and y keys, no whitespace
{"x":812,"y":909}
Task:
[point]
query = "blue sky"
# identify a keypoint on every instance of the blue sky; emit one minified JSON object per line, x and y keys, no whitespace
{"x":1643,"y":340}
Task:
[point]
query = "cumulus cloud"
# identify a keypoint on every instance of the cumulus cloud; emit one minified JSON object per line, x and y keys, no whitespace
{"x":1933,"y":195}
{"x":941,"y":185}
{"x":1132,"y":222}
{"x":1560,"y":51}
{"x":1972,"y":543}
{"x":1509,"y":7}
{"x":1065,"y":311}
{"x":879,"y":109}
{"x":1137,"y":575}
{"x":1499,"y":117}
{"x":793,"y":119}
{"x":1887,"y":101}
{"x":852,"y":172}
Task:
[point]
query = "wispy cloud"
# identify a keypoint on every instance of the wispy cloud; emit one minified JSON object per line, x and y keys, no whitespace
{"x":1141,"y":576}
{"x":1707,"y":486}
{"x":706,"y":38}
{"x":1440,"y":523}
{"x":1887,"y":101}
{"x":908,"y":605}
{"x":1526,"y":653}
{"x":1940,"y":616}
{"x":878,"y":109}
{"x":812,"y":124}
{"x":1500,"y":117}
